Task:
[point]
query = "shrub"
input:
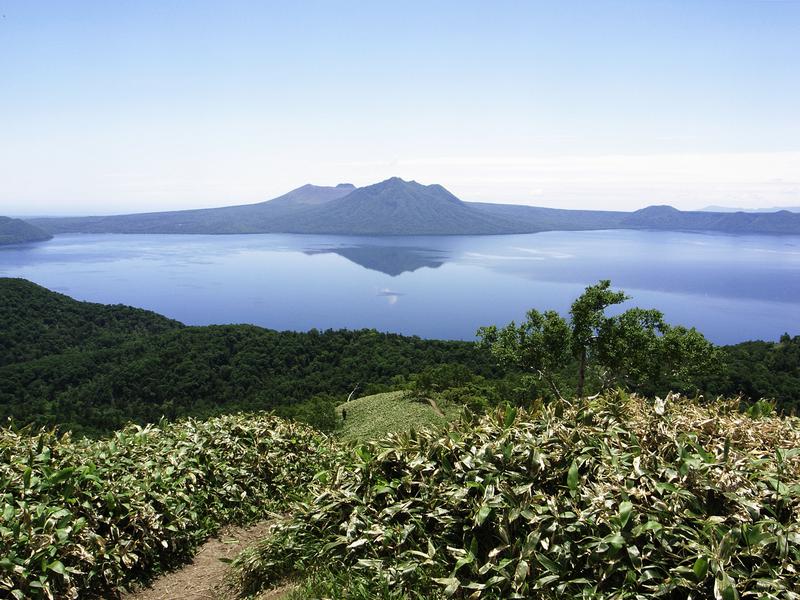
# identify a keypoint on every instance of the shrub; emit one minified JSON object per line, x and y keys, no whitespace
{"x":80,"y":517}
{"x":612,"y":498}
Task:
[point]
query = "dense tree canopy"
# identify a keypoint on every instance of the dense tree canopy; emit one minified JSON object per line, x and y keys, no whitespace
{"x":92,"y":368}
{"x":35,"y":322}
{"x":633,"y":350}
{"x":762,"y":370}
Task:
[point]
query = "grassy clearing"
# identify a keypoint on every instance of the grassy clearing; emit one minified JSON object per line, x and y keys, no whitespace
{"x":374,"y":417}
{"x":80,"y":518}
{"x":611,"y":498}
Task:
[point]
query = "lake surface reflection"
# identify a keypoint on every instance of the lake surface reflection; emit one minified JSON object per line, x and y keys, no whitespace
{"x":732,"y":288}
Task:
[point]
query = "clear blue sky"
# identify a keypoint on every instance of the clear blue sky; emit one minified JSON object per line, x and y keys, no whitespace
{"x":125,"y":106}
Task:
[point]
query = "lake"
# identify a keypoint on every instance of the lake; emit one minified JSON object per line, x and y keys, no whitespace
{"x":732,"y":288}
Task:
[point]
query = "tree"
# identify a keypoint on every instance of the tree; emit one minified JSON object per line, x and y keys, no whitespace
{"x":634,"y":350}
{"x":627,"y":347}
{"x":686,"y":358}
{"x":541,"y":344}
{"x":588,"y":316}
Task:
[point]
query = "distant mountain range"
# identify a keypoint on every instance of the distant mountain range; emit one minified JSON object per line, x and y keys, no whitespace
{"x":398,"y":207}
{"x":730,"y":209}
{"x":17,"y":231}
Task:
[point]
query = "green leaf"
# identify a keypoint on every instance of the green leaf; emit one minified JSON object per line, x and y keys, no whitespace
{"x":483,"y":514}
{"x":521,"y":573}
{"x":511,"y":415}
{"x":573,"y":476}
{"x":546,"y":581}
{"x":625,"y":510}
{"x":724,"y":588}
{"x":451,"y":585}
{"x":700,"y":568}
{"x":615,"y":540}
{"x":61,"y":475}
{"x":547,"y":563}
{"x":466,"y":560}
{"x":57,"y":567}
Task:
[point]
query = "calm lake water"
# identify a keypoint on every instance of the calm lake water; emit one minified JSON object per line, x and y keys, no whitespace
{"x":732,"y":288}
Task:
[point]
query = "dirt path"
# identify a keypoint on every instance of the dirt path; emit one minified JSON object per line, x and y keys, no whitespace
{"x":203,"y":578}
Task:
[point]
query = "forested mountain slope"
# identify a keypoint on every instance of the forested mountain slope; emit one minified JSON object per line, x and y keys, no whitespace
{"x":36,"y":322}
{"x":92,"y":368}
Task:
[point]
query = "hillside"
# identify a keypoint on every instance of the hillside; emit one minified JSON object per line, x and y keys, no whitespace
{"x":730,"y":209}
{"x":17,"y":231}
{"x":398,"y":207}
{"x":626,"y":496}
{"x":92,"y":368}
{"x":759,"y":369}
{"x":37,"y":323}
{"x":533,"y":219}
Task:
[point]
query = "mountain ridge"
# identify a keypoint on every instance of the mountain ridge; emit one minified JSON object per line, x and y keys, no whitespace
{"x":242,"y":218}
{"x":399,"y":207}
{"x":733,"y":209}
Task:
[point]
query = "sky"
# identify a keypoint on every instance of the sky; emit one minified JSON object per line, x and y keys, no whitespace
{"x":110,"y":107}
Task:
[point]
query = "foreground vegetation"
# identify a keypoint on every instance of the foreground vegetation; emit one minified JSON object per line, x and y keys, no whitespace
{"x":80,"y":518}
{"x":611,"y":497}
{"x":616,"y":497}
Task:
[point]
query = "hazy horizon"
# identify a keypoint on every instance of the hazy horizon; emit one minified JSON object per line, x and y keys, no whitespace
{"x":711,"y":208}
{"x":112,"y":108}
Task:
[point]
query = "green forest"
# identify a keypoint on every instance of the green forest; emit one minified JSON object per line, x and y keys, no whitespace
{"x":93,"y":368}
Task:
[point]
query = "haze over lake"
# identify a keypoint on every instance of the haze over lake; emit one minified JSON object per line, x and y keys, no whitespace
{"x":732,"y":288}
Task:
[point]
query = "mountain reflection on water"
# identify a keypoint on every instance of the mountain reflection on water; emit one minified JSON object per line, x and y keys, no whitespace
{"x":391,"y":260}
{"x":732,"y":288}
